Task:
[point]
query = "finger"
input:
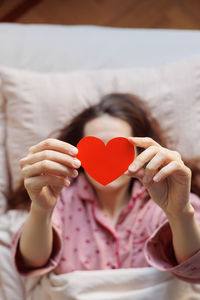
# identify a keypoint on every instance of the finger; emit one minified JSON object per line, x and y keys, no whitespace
{"x":169,"y":169}
{"x":54,"y":144}
{"x":143,"y":142}
{"x":139,"y":174}
{"x":143,"y":158}
{"x":157,"y":162}
{"x":56,"y":156}
{"x":38,"y":182}
{"x":47,"y":166}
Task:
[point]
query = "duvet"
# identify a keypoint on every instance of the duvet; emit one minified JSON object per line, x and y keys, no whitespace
{"x":120,"y":284}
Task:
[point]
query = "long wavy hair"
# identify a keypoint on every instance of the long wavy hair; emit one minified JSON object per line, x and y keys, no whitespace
{"x":124,"y":106}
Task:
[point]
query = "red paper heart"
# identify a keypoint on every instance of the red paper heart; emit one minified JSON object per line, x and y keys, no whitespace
{"x":105,"y":163}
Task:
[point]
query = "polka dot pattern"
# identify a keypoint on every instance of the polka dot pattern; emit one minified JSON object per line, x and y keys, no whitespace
{"x":140,"y":238}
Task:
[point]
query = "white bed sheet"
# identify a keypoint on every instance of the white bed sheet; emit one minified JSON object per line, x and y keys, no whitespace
{"x":66,"y":48}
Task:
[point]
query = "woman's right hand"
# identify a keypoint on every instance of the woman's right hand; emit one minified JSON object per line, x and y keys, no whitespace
{"x":46,"y":169}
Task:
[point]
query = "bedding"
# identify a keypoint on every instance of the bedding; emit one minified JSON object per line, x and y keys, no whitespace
{"x":60,"y":46}
{"x":4,"y":180}
{"x":39,"y":103}
{"x":126,"y":284}
{"x":25,"y":101}
{"x":56,"y":48}
{"x":11,"y":285}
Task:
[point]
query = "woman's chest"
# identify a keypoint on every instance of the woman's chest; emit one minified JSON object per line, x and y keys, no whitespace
{"x":92,"y":242}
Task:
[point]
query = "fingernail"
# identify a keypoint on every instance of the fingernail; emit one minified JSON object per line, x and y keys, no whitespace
{"x":156,"y":178}
{"x":127,"y":173}
{"x":132,"y":168}
{"x":76,"y":163}
{"x":67,"y":183}
{"x":73,"y":151}
{"x":74,"y":173}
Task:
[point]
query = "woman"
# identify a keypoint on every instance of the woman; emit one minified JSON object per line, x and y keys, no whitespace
{"x":146,"y":217}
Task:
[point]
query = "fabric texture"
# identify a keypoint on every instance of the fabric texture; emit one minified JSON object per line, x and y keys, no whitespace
{"x":88,"y":240}
{"x":37,"y":103}
{"x":117,"y":284}
{"x":56,"y":48}
{"x":4,"y":177}
{"x":31,"y":44}
{"x":11,"y":284}
{"x":126,"y":284}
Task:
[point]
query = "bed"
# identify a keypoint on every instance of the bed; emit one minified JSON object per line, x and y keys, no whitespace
{"x":42,"y":63}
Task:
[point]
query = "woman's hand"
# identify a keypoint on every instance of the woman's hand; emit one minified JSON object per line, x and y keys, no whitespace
{"x":165,"y":176}
{"x":46,"y":169}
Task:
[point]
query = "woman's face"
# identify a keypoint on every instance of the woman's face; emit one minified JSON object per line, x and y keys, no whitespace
{"x":106,"y":128}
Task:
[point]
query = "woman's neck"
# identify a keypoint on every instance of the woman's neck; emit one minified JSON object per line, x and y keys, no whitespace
{"x":113,"y":201}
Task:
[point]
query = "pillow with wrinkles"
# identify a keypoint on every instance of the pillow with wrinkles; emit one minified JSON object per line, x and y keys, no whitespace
{"x":39,"y":103}
{"x":4,"y":180}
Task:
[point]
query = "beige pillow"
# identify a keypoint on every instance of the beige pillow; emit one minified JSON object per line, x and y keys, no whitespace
{"x":38,"y":103}
{"x":4,"y":183}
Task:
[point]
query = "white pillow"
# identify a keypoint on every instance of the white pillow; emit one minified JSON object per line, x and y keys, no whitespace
{"x":38,"y":103}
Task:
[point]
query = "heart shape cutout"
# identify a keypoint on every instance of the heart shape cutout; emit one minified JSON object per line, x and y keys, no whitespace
{"x":105,"y":163}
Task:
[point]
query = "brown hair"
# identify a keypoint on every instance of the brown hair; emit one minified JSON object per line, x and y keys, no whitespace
{"x":124,"y":106}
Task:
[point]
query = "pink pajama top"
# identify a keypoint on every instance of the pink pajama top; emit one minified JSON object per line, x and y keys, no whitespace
{"x":86,"y":239}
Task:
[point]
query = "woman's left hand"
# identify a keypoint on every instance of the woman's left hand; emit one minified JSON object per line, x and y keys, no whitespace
{"x":166,"y":177}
